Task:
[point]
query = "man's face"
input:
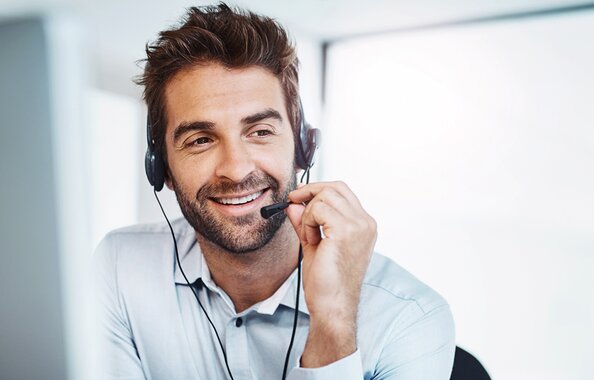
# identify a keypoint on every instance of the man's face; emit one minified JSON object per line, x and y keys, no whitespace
{"x":230,"y":152}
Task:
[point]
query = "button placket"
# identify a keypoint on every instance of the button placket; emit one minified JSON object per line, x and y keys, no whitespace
{"x":237,"y":352}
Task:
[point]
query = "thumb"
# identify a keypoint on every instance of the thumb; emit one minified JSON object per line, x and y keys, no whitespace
{"x":295,"y":213}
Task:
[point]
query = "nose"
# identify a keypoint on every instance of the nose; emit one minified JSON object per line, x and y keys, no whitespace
{"x":235,"y":161}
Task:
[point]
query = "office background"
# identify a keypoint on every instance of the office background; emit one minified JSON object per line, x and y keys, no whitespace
{"x":466,"y":128}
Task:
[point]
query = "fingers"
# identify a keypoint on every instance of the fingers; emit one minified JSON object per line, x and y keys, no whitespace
{"x":331,"y":206}
{"x":306,"y":193}
{"x":316,"y":215}
{"x":295,"y":213}
{"x":307,"y":221}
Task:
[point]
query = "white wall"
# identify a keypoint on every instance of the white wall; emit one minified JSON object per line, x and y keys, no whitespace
{"x":474,"y":149}
{"x":116,"y":128}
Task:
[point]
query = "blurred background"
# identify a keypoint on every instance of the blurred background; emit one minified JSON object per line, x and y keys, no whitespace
{"x":465,"y":127}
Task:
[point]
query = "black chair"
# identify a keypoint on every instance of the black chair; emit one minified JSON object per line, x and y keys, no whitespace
{"x":467,"y":367}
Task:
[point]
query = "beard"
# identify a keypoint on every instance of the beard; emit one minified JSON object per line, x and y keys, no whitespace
{"x":241,"y":234}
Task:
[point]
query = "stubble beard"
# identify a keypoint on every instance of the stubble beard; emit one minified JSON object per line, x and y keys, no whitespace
{"x":236,"y":235}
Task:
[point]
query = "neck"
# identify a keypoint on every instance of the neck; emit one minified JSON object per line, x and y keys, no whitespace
{"x":251,"y":277}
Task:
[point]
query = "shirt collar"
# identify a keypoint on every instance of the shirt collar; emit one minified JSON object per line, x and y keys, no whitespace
{"x":285,"y":295}
{"x":195,"y":267}
{"x":190,"y":257}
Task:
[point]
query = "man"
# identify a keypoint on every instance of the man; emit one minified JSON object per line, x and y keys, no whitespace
{"x":225,"y":122}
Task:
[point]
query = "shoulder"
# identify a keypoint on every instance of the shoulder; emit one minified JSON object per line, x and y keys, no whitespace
{"x":145,"y":238}
{"x":401,"y":319}
{"x":140,"y":250}
{"x":388,"y":280}
{"x":405,"y":327}
{"x":139,"y":232}
{"x":404,"y":300}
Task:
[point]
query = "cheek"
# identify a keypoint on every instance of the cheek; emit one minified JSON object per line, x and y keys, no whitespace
{"x":188,"y":174}
{"x":281,"y":162}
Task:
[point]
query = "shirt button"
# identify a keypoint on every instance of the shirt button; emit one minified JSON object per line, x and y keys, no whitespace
{"x":238,"y":322}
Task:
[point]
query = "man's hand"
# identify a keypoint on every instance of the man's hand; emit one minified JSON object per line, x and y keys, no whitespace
{"x":334,"y":265}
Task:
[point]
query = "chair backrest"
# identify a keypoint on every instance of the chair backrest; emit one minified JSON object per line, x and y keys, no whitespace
{"x":467,"y":367}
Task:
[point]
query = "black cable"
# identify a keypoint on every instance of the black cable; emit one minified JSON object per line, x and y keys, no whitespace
{"x":306,"y":176}
{"x":192,"y":288}
{"x":296,"y":312}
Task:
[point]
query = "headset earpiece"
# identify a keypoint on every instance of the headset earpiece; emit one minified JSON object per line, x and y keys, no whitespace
{"x":314,"y":137}
{"x":308,"y":142}
{"x":153,"y":160}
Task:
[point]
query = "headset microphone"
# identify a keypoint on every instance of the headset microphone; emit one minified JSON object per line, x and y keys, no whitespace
{"x":273,"y":209}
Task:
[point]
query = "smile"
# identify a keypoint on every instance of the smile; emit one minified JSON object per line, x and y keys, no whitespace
{"x":238,"y":200}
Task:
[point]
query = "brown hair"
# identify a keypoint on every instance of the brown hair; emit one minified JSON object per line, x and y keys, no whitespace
{"x":232,"y":37}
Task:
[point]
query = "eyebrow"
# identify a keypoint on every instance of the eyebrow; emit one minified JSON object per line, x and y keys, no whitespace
{"x":185,"y":127}
{"x":269,"y":113}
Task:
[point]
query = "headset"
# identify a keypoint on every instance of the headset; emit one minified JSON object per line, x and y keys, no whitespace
{"x":307,"y":141}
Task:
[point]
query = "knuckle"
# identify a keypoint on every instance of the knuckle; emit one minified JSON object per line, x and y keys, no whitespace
{"x":316,"y":207}
{"x":321,"y":196}
{"x":326,"y":194}
{"x":307,"y":212}
{"x":341,"y":185}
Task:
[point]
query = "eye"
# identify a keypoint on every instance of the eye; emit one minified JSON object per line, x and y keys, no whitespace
{"x":200,"y":141}
{"x":197,"y":143}
{"x":261,"y":133}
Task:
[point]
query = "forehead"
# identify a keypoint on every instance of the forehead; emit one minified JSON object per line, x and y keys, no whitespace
{"x":215,"y":93}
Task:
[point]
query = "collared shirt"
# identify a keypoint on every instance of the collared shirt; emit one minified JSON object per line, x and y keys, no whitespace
{"x":153,"y":327}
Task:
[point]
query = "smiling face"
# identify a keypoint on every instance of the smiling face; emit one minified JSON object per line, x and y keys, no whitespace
{"x":230,"y":151}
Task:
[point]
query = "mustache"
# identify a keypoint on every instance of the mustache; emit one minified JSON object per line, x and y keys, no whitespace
{"x":254,"y":181}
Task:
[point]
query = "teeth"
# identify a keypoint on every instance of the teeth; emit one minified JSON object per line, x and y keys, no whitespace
{"x":239,"y":201}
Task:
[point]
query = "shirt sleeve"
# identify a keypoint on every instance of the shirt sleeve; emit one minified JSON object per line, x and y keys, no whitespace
{"x":346,"y":368}
{"x":117,"y":357}
{"x":424,"y":350}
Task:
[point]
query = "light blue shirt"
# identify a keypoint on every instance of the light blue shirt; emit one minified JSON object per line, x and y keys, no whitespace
{"x":153,"y":328}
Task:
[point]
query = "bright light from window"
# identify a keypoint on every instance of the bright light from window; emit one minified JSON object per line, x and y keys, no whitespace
{"x":472,"y":147}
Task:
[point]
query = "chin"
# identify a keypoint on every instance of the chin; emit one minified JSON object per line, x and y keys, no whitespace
{"x":238,"y":236}
{"x":235,"y":229}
